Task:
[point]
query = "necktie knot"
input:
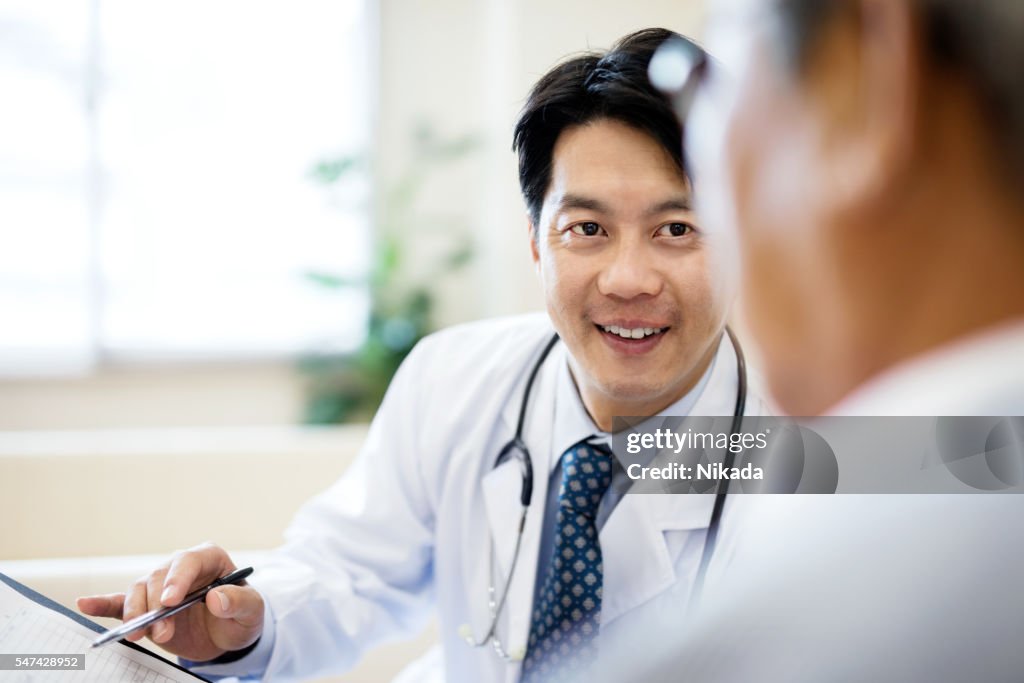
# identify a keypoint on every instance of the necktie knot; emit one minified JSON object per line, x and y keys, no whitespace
{"x":586,"y":475}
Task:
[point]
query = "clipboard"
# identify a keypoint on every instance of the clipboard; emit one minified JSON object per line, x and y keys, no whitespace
{"x":33,"y":624}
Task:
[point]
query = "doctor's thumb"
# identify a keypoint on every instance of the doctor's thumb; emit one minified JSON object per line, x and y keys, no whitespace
{"x":240,"y":603}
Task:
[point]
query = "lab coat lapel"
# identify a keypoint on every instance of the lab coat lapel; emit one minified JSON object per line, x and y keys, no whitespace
{"x":638,"y":563}
{"x":501,"y":488}
{"x":638,"y":558}
{"x":501,"y":498}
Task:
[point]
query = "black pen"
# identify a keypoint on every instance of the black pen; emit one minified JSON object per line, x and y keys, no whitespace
{"x":144,"y":620}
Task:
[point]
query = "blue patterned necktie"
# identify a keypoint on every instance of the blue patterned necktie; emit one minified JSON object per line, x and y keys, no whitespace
{"x":567,"y":615}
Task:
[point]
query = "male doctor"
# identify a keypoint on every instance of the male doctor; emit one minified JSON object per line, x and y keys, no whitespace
{"x":428,"y":518}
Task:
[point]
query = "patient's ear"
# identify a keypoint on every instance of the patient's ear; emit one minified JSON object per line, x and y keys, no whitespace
{"x":875,"y":86}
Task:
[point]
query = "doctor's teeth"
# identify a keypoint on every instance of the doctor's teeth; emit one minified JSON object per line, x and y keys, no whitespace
{"x":632,"y":333}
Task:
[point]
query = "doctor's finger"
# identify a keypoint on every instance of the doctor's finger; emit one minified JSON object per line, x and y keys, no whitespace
{"x":162,"y":630}
{"x":136,"y":602}
{"x":235,"y":616}
{"x":111,"y":605}
{"x":192,"y":569}
{"x":240,"y":603}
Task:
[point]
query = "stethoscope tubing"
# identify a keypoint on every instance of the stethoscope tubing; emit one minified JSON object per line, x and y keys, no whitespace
{"x":714,"y":524}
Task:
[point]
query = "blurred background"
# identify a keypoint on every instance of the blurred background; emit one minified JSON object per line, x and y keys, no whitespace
{"x":200,"y":200}
{"x":222,"y":225}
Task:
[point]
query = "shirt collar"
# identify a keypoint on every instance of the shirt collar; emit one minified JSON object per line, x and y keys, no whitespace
{"x":573,"y":424}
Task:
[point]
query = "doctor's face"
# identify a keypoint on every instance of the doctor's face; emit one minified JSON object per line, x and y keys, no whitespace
{"x":625,"y":271}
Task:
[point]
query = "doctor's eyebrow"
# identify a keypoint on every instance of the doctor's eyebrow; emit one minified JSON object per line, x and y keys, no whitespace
{"x":571,"y":201}
{"x":577,"y":201}
{"x":674,"y":204}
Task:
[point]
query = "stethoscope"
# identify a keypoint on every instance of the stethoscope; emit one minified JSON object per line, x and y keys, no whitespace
{"x":516,"y":448}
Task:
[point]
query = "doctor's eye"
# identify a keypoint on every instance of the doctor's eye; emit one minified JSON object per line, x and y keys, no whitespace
{"x":586,"y":229}
{"x":674,"y":230}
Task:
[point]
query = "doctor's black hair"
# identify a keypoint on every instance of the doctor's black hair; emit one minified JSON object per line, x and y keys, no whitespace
{"x":590,"y":87}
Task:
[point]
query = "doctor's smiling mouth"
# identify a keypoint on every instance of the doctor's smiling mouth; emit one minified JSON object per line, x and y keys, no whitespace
{"x":633,"y":337}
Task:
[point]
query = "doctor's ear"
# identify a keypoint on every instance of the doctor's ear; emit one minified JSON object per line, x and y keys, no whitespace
{"x":532,"y":234}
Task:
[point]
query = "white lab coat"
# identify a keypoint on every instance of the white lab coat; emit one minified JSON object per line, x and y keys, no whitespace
{"x":406,"y":532}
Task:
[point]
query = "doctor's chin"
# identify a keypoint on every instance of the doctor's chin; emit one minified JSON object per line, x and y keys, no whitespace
{"x":512,"y":342}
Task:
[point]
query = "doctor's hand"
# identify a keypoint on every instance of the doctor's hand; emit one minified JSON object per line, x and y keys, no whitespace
{"x":231,"y":618}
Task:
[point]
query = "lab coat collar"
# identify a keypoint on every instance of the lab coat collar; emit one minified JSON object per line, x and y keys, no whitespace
{"x":565,"y":418}
{"x":573,"y":423}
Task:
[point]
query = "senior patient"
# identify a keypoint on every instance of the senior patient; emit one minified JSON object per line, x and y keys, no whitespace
{"x":871,"y":153}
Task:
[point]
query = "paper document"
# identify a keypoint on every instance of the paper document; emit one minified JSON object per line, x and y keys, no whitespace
{"x":35,"y":632}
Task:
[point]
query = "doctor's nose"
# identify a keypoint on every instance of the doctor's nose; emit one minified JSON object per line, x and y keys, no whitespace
{"x":629,"y":274}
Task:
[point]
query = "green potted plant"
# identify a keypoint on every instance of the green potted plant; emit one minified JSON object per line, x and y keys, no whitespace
{"x":346,"y":387}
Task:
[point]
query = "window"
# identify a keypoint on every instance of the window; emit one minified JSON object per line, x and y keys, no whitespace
{"x":156,"y":194}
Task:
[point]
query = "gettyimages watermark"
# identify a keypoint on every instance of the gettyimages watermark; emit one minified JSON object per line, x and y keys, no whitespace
{"x":821,"y":455}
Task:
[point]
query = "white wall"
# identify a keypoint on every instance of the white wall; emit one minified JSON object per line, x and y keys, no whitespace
{"x":155,"y":396}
